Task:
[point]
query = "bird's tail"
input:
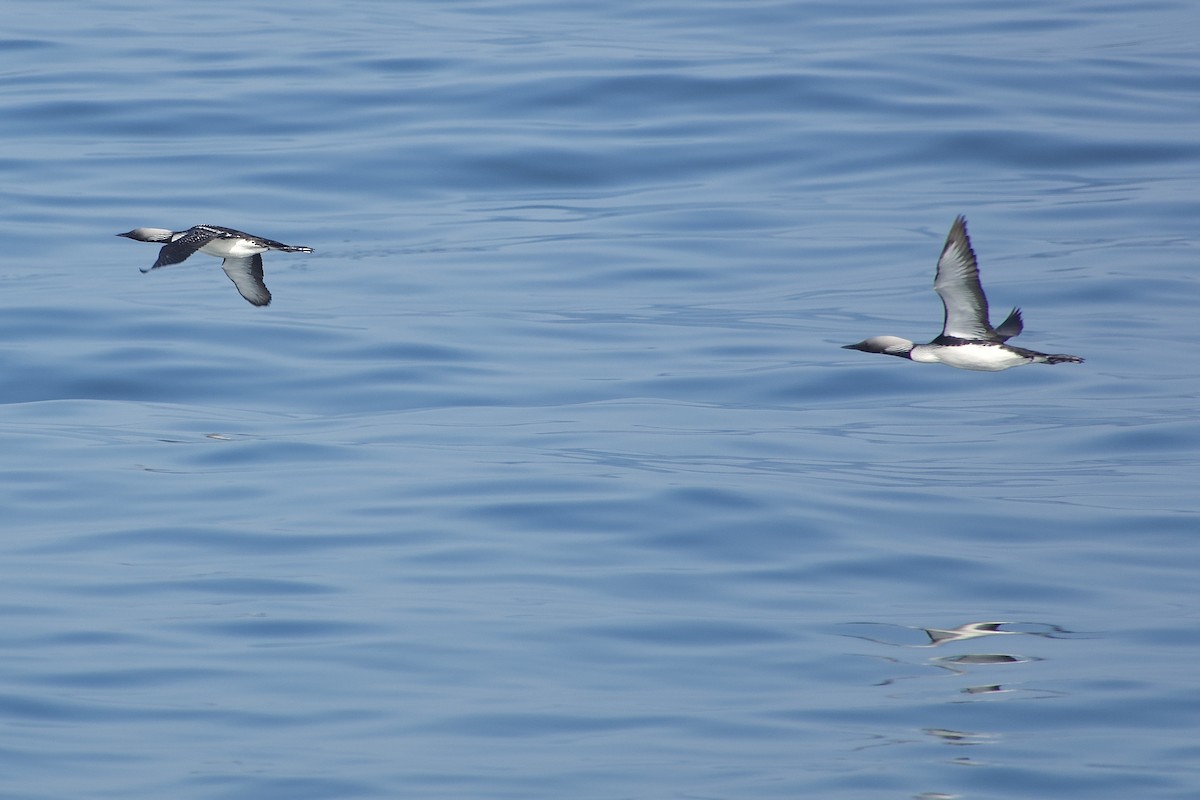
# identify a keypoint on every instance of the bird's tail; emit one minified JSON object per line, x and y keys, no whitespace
{"x":1062,"y":358}
{"x":292,"y":248}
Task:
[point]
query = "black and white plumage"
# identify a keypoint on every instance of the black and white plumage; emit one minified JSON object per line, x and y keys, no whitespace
{"x":967,"y":340}
{"x":242,"y":253}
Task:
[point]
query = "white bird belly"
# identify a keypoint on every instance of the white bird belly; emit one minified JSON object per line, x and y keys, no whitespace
{"x":231,"y":248}
{"x":979,"y":357}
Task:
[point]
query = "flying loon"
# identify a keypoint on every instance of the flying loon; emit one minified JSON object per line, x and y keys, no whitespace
{"x":241,"y":253}
{"x":967,"y":340}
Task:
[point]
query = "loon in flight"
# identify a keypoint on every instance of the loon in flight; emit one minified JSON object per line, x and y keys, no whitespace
{"x":968,"y":340}
{"x":242,"y":253}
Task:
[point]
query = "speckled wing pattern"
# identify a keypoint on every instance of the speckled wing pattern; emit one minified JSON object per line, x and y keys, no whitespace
{"x":180,"y":249}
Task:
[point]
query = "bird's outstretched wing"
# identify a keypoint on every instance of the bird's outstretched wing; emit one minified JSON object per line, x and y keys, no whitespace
{"x":957,"y":283}
{"x":180,"y":249}
{"x":1012,"y":325}
{"x":247,"y":275}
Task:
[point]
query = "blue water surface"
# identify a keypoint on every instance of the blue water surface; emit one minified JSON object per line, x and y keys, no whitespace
{"x":544,"y":475}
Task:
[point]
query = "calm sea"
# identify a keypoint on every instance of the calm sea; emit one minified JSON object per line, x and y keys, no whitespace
{"x":544,"y":475}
